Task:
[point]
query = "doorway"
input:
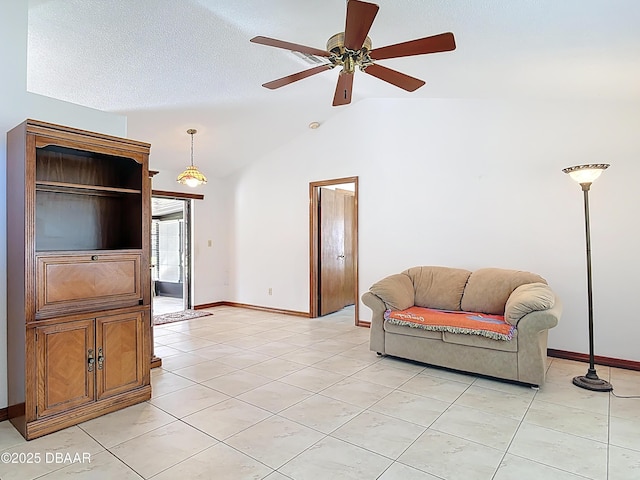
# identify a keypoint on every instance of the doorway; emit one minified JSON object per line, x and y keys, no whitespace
{"x":170,"y":254}
{"x":333,"y":248}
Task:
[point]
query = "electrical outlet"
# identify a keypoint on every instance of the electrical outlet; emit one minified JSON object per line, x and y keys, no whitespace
{"x":270,"y":291}
{"x":209,"y":242}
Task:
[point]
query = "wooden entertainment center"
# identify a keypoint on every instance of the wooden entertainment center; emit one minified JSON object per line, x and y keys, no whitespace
{"x":78,"y":294}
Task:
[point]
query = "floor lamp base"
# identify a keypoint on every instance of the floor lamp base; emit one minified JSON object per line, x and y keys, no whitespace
{"x":595,"y":384}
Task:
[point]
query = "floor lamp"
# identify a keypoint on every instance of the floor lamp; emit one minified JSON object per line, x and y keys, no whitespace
{"x":585,"y":175}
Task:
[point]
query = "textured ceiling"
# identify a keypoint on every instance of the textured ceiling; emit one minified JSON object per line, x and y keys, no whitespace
{"x":170,"y":65}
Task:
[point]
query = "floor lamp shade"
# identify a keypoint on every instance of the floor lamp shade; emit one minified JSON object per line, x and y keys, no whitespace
{"x":585,"y":175}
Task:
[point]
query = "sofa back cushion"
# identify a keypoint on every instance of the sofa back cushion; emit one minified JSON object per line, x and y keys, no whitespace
{"x":488,"y":289}
{"x":438,"y":287}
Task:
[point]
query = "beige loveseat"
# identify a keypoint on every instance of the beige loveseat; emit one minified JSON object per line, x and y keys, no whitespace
{"x":524,"y":298}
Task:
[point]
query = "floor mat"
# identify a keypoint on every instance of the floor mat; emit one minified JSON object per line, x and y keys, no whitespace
{"x":179,"y":316}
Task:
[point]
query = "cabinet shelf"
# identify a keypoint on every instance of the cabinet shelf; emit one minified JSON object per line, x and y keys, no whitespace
{"x":62,"y":187}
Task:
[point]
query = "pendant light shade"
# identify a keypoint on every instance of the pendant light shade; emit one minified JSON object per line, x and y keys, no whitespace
{"x":192,"y":177}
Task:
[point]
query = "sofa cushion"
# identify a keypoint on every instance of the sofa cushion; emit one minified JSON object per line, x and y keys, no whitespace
{"x":396,"y":291}
{"x":488,"y":289}
{"x":413,"y":332}
{"x":438,"y":287}
{"x":455,"y":321}
{"x":482,"y":342}
{"x":526,"y":299}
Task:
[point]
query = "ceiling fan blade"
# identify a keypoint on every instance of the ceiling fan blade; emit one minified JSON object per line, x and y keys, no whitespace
{"x":343,"y":89}
{"x":281,"y":82}
{"x":443,"y":42}
{"x":272,"y":42}
{"x":394,"y":77}
{"x":360,"y":17}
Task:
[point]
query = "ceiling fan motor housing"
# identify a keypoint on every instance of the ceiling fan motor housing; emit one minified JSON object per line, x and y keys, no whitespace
{"x":349,"y":59}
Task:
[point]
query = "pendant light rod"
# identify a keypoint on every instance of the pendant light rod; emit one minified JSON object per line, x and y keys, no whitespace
{"x":192,"y":132}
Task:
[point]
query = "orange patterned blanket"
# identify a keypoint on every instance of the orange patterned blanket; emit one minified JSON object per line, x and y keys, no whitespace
{"x":490,"y":326}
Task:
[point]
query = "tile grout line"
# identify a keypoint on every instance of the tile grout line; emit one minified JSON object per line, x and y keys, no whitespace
{"x":506,"y":451}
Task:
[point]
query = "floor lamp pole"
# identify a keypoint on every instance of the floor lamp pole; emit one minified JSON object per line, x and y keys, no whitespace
{"x":590,"y":381}
{"x":592,"y":369}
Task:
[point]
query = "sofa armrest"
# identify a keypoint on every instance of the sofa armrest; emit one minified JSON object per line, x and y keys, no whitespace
{"x":528,"y":298}
{"x":396,"y":291}
{"x":539,"y":320}
{"x":533,"y":329}
{"x":377,"y":306}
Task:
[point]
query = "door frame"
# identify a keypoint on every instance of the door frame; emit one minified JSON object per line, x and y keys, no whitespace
{"x":187,"y":293}
{"x":314,"y":247}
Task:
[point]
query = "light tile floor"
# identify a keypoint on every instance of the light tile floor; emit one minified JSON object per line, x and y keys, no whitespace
{"x":162,"y":305}
{"x":254,"y":395}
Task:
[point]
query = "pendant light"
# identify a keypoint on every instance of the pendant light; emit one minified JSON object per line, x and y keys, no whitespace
{"x":192,"y":176}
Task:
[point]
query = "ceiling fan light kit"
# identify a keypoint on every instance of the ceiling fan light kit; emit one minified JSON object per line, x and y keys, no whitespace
{"x":353,"y":48}
{"x":192,"y":177}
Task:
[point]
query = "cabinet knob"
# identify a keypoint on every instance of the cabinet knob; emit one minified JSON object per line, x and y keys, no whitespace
{"x":94,"y":257}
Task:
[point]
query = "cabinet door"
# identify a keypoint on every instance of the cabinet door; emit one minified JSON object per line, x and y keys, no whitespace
{"x":73,"y":283}
{"x":65,"y":366}
{"x":119,"y":353}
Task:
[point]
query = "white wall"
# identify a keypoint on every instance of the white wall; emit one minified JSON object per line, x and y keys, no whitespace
{"x":464,"y":183}
{"x":18,"y":105}
{"x":13,"y":28}
{"x":211,"y":217}
{"x":49,"y":109}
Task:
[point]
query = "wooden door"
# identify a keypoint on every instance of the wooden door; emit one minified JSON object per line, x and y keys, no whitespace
{"x":331,"y":232}
{"x":119,"y":353}
{"x":348,"y":290}
{"x":65,"y":366}
{"x":316,"y":245}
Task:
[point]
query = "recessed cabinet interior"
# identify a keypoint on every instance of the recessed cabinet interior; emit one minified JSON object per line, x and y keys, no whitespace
{"x":78,"y":309}
{"x":87,"y":200}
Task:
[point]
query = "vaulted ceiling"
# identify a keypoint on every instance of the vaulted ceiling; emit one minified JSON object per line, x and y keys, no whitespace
{"x":170,"y":65}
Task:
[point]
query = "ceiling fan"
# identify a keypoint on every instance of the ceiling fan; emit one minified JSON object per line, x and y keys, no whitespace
{"x":352,"y":48}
